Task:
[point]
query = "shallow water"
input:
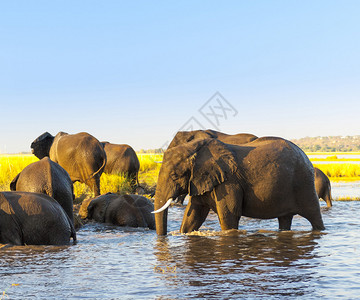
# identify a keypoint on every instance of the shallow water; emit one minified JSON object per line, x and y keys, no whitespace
{"x":255,"y":261}
{"x":348,"y":189}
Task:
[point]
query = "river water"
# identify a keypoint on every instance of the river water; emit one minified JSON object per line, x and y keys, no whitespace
{"x":255,"y":261}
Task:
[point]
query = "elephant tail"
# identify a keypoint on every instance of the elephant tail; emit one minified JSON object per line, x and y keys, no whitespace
{"x":13,"y":183}
{"x":72,"y":228}
{"x":137,"y":179}
{"x":98,"y":171}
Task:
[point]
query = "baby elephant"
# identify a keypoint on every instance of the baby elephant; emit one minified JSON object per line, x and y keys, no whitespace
{"x":323,"y":187}
{"x":121,"y":210}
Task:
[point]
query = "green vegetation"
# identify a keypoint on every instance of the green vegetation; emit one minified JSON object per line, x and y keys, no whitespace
{"x":329,"y":143}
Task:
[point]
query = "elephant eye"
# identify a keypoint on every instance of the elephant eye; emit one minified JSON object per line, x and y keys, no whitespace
{"x":174,"y":176}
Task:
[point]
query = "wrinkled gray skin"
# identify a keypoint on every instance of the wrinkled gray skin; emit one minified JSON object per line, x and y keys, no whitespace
{"x":182,"y":137}
{"x":267,"y":178}
{"x":33,"y":219}
{"x":81,"y":155}
{"x":122,"y":159}
{"x":323,"y":187}
{"x":121,"y":210}
{"x":47,"y":177}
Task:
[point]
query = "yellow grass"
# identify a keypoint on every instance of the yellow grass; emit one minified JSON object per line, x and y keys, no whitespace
{"x":334,"y":158}
{"x":11,"y":165}
{"x":340,"y":170}
{"x":149,"y":168}
{"x":332,"y":153}
{"x":149,"y":161}
{"x":109,"y":183}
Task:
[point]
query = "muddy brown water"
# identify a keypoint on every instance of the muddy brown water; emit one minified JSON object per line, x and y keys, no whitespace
{"x":255,"y":261}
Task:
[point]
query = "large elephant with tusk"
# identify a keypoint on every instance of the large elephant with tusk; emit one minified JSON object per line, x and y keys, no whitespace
{"x":267,"y":178}
{"x":183,"y":137}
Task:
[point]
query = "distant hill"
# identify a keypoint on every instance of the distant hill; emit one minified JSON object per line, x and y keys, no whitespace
{"x":329,"y":143}
{"x":312,"y":144}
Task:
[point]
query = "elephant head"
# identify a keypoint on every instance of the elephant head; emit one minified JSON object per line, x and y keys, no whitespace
{"x":182,"y":137}
{"x":195,"y":168}
{"x":187,"y":136}
{"x":95,"y":208}
{"x":41,"y":146}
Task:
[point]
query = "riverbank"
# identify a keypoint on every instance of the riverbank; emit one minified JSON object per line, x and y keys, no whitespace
{"x":339,"y":166}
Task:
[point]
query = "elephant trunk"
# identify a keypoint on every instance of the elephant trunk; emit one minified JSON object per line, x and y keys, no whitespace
{"x":329,"y":199}
{"x":160,"y":217}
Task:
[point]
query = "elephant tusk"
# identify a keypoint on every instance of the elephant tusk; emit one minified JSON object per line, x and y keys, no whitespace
{"x":166,"y":205}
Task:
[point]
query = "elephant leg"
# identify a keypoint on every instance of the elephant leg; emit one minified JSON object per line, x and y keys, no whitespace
{"x":285,"y":222}
{"x":194,"y":216}
{"x":315,"y":220}
{"x":327,"y":198}
{"x":311,"y":210}
{"x":228,"y":220}
{"x":228,"y":205}
{"x":94,"y":184}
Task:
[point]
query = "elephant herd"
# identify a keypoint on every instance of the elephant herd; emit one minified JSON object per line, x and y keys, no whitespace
{"x":39,"y":208}
{"x":232,"y":175}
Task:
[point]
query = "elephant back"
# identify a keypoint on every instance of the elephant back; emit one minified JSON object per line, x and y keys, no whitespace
{"x":81,"y":155}
{"x":121,"y":158}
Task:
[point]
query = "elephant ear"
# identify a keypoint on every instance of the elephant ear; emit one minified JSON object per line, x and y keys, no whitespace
{"x":41,"y":146}
{"x":90,"y":210}
{"x":212,"y":164}
{"x":41,"y":138}
{"x":14,"y":182}
{"x":97,"y":209}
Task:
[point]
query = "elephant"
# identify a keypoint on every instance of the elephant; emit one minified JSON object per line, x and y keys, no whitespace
{"x":187,"y":136}
{"x":81,"y":155}
{"x":267,"y":178}
{"x":33,"y":219}
{"x":182,"y":137}
{"x":121,"y":158}
{"x":121,"y":210}
{"x":48,"y":177}
{"x":323,"y":186}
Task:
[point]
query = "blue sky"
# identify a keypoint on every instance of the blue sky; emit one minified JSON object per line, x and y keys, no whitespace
{"x":135,"y":72}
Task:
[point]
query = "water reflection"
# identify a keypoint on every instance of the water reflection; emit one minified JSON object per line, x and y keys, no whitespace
{"x":111,"y":262}
{"x":250,"y":263}
{"x":16,"y":256}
